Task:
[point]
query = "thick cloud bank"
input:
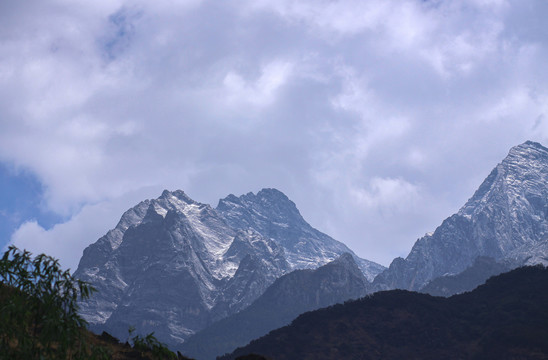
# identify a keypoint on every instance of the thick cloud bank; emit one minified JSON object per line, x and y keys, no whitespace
{"x":378,"y":118}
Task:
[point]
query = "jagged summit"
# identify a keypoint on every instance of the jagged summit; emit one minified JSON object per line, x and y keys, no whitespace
{"x":506,"y":218}
{"x":529,"y":145}
{"x":345,"y":258}
{"x":269,"y":205}
{"x":528,"y":153}
{"x":520,"y":178}
{"x":273,"y":215}
{"x":173,"y":265}
{"x":180,"y":195}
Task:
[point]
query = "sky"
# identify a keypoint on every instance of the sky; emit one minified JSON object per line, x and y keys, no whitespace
{"x":379,"y":119}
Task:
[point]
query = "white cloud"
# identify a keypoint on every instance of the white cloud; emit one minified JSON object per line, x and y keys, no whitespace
{"x":387,"y":194}
{"x":260,"y":92}
{"x":330,"y":101}
{"x":68,"y":240}
{"x":518,"y":102}
{"x":348,"y":17}
{"x":451,"y":36}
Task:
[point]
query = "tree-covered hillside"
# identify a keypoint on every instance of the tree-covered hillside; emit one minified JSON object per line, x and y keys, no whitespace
{"x":39,"y":316}
{"x":507,"y":318}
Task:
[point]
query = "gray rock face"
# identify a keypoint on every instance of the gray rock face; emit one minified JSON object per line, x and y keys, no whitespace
{"x":173,"y":265}
{"x":483,"y":268}
{"x":288,"y":297}
{"x":274,"y":216}
{"x":505,"y":219}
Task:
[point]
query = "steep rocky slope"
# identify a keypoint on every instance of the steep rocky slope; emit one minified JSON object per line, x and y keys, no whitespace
{"x":483,"y":268}
{"x":168,"y":263}
{"x":274,"y":216}
{"x":507,"y":218}
{"x":289,"y":296}
{"x":173,"y":265}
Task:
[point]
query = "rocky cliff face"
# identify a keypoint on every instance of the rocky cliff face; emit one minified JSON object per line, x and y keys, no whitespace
{"x":173,"y":265}
{"x":483,"y":268}
{"x":289,"y":296}
{"x":505,"y":219}
{"x":274,"y":216}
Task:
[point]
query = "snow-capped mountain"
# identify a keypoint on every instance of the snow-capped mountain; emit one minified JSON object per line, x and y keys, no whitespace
{"x":173,"y":265}
{"x":273,"y":215}
{"x":506,"y":219}
{"x":168,"y":263}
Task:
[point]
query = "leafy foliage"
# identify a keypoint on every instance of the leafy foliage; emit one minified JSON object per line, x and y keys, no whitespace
{"x":150,"y":344}
{"x":39,"y":310}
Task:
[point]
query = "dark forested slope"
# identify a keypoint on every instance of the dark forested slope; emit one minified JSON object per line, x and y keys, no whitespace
{"x":506,"y":318}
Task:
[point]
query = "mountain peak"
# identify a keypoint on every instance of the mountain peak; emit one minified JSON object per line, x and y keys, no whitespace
{"x":506,"y":218}
{"x":272,"y":193}
{"x":528,"y":151}
{"x":273,"y":215}
{"x":532,"y":144}
{"x":268,"y":202}
{"x":265,"y":197}
{"x":178,"y":194}
{"x":271,"y":197}
{"x":523,"y":171}
{"x":345,"y":259}
{"x":347,"y":262}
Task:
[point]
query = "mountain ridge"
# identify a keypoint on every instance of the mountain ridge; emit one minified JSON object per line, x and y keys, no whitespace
{"x":505,"y":219}
{"x":200,"y":264}
{"x":478,"y":273}
{"x":506,"y":318}
{"x":185,"y":259}
{"x":272,"y":214}
{"x":289,"y":296}
{"x":174,"y":248}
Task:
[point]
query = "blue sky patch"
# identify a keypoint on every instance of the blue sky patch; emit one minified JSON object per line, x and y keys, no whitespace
{"x":21,"y":196}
